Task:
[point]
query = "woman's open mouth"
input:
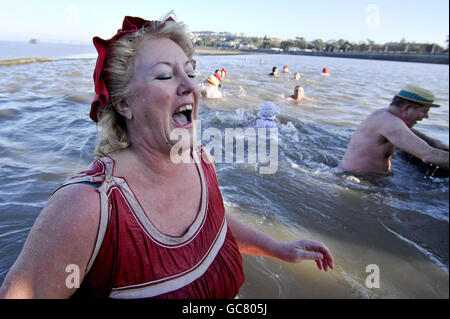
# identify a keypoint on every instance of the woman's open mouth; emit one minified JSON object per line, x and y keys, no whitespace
{"x":183,"y":116}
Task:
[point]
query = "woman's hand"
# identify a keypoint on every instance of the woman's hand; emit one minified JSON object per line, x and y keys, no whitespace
{"x":254,"y":242}
{"x":305,"y":249}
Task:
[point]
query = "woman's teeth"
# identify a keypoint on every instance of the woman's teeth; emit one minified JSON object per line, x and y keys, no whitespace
{"x":184,"y":108}
{"x":182,"y":115}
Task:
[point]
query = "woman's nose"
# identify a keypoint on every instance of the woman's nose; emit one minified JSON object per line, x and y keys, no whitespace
{"x":187,"y":86}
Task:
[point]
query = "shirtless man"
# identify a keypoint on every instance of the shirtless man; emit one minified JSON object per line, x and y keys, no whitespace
{"x":373,"y":144}
{"x":211,"y":88}
{"x":299,"y":95}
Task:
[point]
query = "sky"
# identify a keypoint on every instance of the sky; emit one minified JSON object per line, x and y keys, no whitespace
{"x":354,"y":20}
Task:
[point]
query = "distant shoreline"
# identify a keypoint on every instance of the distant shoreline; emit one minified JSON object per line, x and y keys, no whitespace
{"x":206,"y":51}
{"x":402,"y":57}
{"x":217,"y":51}
{"x":24,"y":61}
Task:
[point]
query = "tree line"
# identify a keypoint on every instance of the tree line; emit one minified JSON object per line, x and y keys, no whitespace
{"x":225,"y":39}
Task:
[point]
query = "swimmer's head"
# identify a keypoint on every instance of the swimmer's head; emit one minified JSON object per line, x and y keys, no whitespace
{"x":223,"y":72}
{"x":285,"y":69}
{"x":274,"y":70}
{"x":218,"y":75}
{"x":299,"y":91}
{"x":268,"y":111}
{"x":213,"y":80}
{"x":415,"y":96}
{"x":297,"y":76}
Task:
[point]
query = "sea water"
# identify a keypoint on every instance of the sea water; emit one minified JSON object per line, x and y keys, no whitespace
{"x":399,"y":223}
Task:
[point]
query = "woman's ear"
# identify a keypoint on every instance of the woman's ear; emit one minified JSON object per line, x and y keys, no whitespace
{"x":124,"y":109}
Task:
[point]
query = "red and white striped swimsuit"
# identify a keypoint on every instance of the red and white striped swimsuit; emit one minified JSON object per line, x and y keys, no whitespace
{"x":132,"y":259}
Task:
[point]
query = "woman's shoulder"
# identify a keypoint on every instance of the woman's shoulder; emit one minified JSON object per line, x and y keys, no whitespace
{"x":63,"y":234}
{"x":74,"y":211}
{"x":75,"y":201}
{"x":78,"y":199}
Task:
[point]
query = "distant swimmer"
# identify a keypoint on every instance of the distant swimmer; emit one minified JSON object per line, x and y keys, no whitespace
{"x":299,"y":95}
{"x":371,"y":148}
{"x":223,"y":73}
{"x":267,"y":115}
{"x":218,"y":75}
{"x":274,"y":71}
{"x":325,"y":72}
{"x":297,"y":76}
{"x":261,"y":61}
{"x":286,"y":69}
{"x":211,"y":88}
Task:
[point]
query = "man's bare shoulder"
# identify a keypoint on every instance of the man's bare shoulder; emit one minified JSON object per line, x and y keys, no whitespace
{"x":383,"y":114}
{"x":382,"y":118}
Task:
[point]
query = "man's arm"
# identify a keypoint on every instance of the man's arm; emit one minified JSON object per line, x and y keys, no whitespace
{"x":399,"y":134}
{"x":432,"y":142}
{"x":309,"y":99}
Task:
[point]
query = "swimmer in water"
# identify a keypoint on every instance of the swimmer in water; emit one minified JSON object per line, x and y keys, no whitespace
{"x":286,"y":69}
{"x":372,"y":145}
{"x":297,"y":76}
{"x":267,"y":115}
{"x":211,"y":88}
{"x":274,"y":71}
{"x":223,"y":73}
{"x":299,"y":95}
{"x":218,"y":75}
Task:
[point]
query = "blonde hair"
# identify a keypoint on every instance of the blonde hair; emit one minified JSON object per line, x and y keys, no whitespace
{"x":118,"y":71}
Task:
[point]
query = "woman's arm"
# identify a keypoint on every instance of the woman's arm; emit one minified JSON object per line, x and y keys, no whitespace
{"x":254,"y":242}
{"x":63,"y":235}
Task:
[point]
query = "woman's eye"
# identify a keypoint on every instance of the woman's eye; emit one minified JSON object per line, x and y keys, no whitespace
{"x":164,"y":77}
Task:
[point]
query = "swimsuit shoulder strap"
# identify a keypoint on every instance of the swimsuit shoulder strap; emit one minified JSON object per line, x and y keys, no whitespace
{"x":94,"y":175}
